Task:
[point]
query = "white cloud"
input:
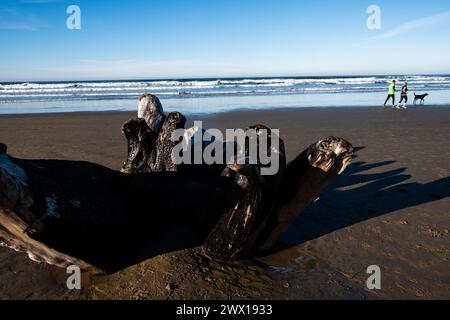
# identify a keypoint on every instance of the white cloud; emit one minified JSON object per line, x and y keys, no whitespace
{"x":415,"y":24}
{"x":126,"y":69}
{"x":16,"y":25}
{"x":11,"y":18}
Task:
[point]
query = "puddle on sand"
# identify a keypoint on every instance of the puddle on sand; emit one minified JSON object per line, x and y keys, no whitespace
{"x":308,"y":276}
{"x":292,"y":260}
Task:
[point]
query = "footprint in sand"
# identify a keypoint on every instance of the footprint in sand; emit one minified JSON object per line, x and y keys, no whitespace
{"x":435,"y":233}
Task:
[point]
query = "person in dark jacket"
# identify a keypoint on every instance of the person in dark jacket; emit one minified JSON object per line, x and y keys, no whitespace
{"x":404,"y":98}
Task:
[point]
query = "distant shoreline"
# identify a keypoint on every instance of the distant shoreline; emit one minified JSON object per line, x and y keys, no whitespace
{"x":232,"y":78}
{"x":216,"y":95}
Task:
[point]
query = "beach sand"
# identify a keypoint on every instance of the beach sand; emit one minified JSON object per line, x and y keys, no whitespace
{"x":391,"y":209}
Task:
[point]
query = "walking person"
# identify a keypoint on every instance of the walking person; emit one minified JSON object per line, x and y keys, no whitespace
{"x":404,"y":98}
{"x":391,"y":94}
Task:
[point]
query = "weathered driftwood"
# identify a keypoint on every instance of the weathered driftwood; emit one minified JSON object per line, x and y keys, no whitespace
{"x":150,"y":109}
{"x":305,"y":179}
{"x":150,"y":151}
{"x":271,"y":204}
{"x":65,"y":212}
{"x":235,"y":235}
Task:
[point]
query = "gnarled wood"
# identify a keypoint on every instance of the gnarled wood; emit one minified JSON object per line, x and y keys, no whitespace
{"x":150,"y":109}
{"x":236,"y":233}
{"x":67,"y":212}
{"x":271,"y":204}
{"x":305,"y":179}
{"x":150,"y":151}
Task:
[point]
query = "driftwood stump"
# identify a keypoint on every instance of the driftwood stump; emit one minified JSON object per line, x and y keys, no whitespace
{"x":78,"y":213}
{"x":271,"y":204}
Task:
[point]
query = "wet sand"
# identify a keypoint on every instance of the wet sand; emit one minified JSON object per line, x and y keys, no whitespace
{"x":391,"y":209}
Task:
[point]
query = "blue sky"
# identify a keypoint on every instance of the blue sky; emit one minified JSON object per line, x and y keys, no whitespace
{"x":139,"y":39}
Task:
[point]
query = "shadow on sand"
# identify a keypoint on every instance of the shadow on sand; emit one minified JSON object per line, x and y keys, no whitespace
{"x":358,"y":196}
{"x":134,"y":233}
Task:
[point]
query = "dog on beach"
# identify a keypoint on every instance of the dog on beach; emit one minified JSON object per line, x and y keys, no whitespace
{"x":420,"y":97}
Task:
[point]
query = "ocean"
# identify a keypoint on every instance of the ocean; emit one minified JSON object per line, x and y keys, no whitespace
{"x":215,"y":95}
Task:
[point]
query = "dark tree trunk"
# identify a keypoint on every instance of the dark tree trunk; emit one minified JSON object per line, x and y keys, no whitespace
{"x":78,"y":213}
{"x":64,"y":212}
{"x":271,"y":204}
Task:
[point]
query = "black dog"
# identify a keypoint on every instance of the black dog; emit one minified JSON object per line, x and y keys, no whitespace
{"x":420,"y":97}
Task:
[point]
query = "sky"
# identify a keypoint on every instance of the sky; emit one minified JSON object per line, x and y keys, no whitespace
{"x":146,"y":39}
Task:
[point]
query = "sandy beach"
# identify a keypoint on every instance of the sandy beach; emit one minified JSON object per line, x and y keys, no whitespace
{"x":391,"y":208}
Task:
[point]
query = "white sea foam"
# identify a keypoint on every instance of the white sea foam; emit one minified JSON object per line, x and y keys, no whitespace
{"x":191,"y":88}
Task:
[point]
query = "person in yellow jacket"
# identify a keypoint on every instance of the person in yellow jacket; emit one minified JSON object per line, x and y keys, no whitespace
{"x":391,"y":94}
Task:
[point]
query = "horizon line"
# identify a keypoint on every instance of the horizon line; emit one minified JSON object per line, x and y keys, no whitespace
{"x":230,"y":77}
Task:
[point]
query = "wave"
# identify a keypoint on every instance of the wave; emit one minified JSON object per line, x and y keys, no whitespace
{"x":206,"y":87}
